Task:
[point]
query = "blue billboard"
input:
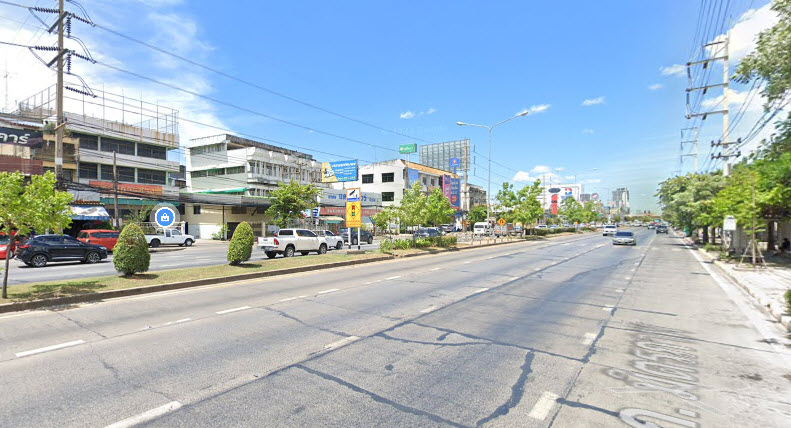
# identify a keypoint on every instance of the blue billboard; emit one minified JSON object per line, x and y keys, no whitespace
{"x":413,"y":176}
{"x":455,"y":193}
{"x":334,"y":172}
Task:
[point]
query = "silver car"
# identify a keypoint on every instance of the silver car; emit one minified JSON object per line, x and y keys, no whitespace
{"x":623,"y":238}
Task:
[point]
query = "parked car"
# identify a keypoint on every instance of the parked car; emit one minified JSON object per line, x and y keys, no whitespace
{"x":429,"y":232}
{"x":364,"y":236}
{"x":623,"y":237}
{"x":169,"y":237}
{"x":37,"y":251}
{"x":609,"y":230}
{"x":446,"y":228}
{"x":5,"y":251}
{"x":651,"y":226}
{"x":541,"y":226}
{"x":517,"y":230}
{"x":481,"y":228}
{"x":333,"y":240}
{"x":661,"y":228}
{"x":105,"y":238}
{"x":289,"y":241}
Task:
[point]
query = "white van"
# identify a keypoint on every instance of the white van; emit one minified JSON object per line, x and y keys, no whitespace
{"x":481,"y":228}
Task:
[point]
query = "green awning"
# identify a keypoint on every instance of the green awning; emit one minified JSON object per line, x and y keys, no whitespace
{"x":224,"y":191}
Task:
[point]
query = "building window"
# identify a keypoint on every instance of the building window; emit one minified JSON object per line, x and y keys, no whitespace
{"x":124,"y":174}
{"x":238,"y":210}
{"x":197,"y":174}
{"x":148,"y":176}
{"x":215,"y":172}
{"x":211,"y":148}
{"x":388,"y":196}
{"x":234,"y":170}
{"x":368,"y":178}
{"x":196,"y":209}
{"x":388,"y":177}
{"x":89,"y":170}
{"x":433,"y":182}
{"x":119,"y":146}
{"x":107,"y":172}
{"x":425,"y":182}
{"x":269,"y":169}
{"x":149,"y":151}
{"x":89,"y":142}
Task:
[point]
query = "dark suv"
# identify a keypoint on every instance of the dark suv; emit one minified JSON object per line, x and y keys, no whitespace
{"x":661,"y":229}
{"x":364,"y":236}
{"x":39,"y":250}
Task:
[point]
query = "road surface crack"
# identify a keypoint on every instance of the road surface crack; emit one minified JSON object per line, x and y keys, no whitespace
{"x":378,"y":398}
{"x":79,"y":324}
{"x":303,"y":323}
{"x":420,"y":342}
{"x":117,"y":376}
{"x":517,"y":391}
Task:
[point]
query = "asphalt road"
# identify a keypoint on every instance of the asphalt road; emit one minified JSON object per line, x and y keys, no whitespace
{"x":203,"y":253}
{"x":571,"y":332}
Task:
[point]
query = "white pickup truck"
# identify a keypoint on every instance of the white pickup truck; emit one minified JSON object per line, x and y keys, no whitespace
{"x":289,"y":241}
{"x":169,"y":237}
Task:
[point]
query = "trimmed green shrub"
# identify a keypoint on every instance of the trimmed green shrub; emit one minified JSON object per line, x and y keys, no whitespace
{"x":241,"y":246}
{"x":130,"y":255}
{"x":788,"y":301}
{"x":385,"y":246}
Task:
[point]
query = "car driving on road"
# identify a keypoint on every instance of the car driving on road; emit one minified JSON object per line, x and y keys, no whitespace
{"x":42,"y":249}
{"x":623,"y":238}
{"x":661,"y":228}
{"x":609,"y":230}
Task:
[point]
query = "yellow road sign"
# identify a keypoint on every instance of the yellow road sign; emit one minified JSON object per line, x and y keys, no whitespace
{"x":501,"y":222}
{"x":354,"y":214}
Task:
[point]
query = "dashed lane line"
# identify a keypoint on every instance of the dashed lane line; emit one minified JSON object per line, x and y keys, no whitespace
{"x":49,"y":348}
{"x":588,"y":338}
{"x":228,"y":311}
{"x":544,"y":405}
{"x":341,"y":342}
{"x":331,"y":290}
{"x":146,"y":416}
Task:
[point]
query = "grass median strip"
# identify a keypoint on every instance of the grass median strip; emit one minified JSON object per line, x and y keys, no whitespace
{"x":51,"y":289}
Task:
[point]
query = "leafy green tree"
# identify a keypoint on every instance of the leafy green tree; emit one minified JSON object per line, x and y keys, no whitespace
{"x":35,"y":206}
{"x":527,"y":208}
{"x":384,"y":218}
{"x":413,"y":210}
{"x":241,"y":246}
{"x":477,"y":214}
{"x":687,"y":201}
{"x":438,"y":208}
{"x":572,"y":210}
{"x":130,"y":255}
{"x":508,"y":199}
{"x":289,"y":200}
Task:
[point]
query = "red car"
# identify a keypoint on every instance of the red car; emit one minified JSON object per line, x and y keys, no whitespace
{"x":105,"y":238}
{"x":4,"y":243}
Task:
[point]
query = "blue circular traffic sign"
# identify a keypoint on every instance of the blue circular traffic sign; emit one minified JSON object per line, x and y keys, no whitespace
{"x":165,"y":217}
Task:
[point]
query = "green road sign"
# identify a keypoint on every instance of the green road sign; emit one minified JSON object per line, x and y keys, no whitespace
{"x":407,"y":148}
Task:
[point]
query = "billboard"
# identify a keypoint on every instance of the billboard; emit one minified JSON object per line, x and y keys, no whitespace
{"x":413,"y":175}
{"x":20,"y":137}
{"x":406,"y":149}
{"x":455,"y":193}
{"x":334,"y":172}
{"x":446,"y":186}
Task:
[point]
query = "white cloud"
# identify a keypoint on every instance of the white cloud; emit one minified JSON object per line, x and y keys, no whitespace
{"x":734,"y":98}
{"x":540,"y":169}
{"x":744,"y":34}
{"x":540,"y":108}
{"x":674,"y":70}
{"x":588,"y":131}
{"x":593,"y":101}
{"x":655,"y":87}
{"x":523,"y":176}
{"x":431,"y":110}
{"x":407,"y":115}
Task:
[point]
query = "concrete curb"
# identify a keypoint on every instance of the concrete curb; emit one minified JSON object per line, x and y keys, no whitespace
{"x":101,"y":295}
{"x":470,"y":247}
{"x":774,"y":307}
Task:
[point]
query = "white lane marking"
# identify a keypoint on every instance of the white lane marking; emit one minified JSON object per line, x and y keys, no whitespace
{"x":619,"y":290}
{"x":183,"y":320}
{"x":543,"y":406}
{"x":288,"y":299}
{"x":536,"y":268}
{"x":588,"y":338}
{"x":429,"y":309}
{"x":607,"y":308}
{"x":567,"y":243}
{"x":690,"y":413}
{"x":435,"y":269}
{"x":331,"y":290}
{"x":467,"y":262}
{"x":146,"y":416}
{"x":636,"y":263}
{"x":480,"y":290}
{"x":489,"y":258}
{"x":393,"y":277}
{"x":49,"y":348}
{"x":341,"y":342}
{"x":227,"y":311}
{"x":633,"y":270}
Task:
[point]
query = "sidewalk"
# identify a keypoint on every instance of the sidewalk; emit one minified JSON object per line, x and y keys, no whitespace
{"x":767,"y":285}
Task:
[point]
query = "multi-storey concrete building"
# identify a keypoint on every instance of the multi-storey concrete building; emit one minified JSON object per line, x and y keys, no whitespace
{"x":620,"y":198}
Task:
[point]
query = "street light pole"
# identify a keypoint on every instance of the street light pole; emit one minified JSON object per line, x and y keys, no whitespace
{"x":489,"y":184}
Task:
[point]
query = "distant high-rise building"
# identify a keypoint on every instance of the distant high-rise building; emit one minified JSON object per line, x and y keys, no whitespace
{"x":585,"y":197}
{"x":620,"y":198}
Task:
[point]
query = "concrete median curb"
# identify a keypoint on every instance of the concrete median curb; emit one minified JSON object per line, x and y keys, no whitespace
{"x":772,"y":306}
{"x":109,"y":294}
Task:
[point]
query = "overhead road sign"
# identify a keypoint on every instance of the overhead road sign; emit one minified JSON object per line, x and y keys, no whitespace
{"x":406,"y":149}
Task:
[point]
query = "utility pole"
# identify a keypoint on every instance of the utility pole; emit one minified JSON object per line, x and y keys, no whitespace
{"x":59,"y":102}
{"x":723,"y":55}
{"x":115,"y":191}
{"x":694,"y":142}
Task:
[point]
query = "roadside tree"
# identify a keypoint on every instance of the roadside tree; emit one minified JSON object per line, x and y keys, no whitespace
{"x":413,"y":209}
{"x":438,"y":208}
{"x":383,"y":219}
{"x":35,"y":206}
{"x":289,"y":200}
{"x":130,"y":255}
{"x":477,"y":214}
{"x":241,"y":246}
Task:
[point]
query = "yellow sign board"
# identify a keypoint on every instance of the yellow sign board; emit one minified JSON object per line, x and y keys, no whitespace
{"x":501,"y":222}
{"x":354,"y":214}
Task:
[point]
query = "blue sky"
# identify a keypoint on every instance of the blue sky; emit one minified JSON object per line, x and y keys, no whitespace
{"x":417,"y":68}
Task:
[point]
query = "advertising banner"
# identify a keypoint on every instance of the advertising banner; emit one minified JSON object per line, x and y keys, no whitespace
{"x":20,"y":137}
{"x":334,"y":172}
{"x":413,"y":175}
{"x":446,"y":186}
{"x":455,"y":193}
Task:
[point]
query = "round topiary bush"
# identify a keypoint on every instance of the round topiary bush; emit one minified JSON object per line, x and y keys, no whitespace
{"x":241,"y":246}
{"x":130,"y":255}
